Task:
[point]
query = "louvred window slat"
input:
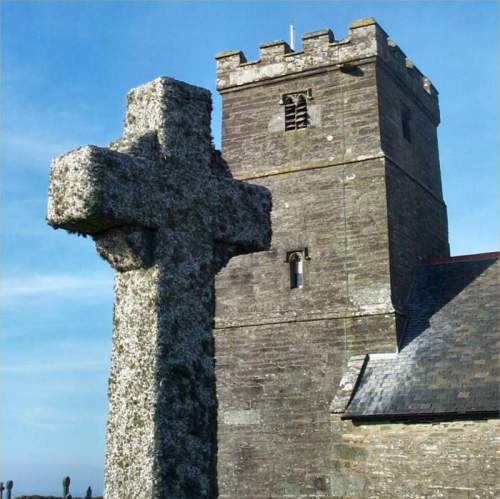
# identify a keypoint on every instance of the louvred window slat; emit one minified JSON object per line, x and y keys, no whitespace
{"x":296,"y":115}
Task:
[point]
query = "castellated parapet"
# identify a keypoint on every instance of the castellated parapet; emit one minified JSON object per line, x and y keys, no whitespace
{"x":365,"y":42}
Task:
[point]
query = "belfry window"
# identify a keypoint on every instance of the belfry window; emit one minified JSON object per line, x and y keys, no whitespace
{"x":296,"y":115}
{"x":405,"y":124}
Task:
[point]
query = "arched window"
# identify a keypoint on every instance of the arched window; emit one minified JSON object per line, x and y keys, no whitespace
{"x":296,"y":116}
{"x":296,"y":270}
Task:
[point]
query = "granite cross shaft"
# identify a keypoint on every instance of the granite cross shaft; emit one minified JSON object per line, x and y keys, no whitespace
{"x":166,"y":213}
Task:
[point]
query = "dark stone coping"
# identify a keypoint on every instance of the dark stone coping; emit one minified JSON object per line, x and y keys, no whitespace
{"x":318,"y":33}
{"x":274,"y":43}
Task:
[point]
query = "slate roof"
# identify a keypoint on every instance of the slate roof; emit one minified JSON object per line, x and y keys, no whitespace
{"x":449,"y":357}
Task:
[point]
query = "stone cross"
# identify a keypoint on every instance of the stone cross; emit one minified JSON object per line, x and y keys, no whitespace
{"x":166,"y":213}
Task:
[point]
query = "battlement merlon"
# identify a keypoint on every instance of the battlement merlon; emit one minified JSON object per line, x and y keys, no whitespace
{"x":365,"y":43}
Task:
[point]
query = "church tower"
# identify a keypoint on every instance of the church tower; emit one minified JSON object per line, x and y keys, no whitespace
{"x":343,"y":133}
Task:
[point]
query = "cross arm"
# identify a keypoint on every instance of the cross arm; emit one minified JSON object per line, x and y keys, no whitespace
{"x":243,"y":215}
{"x":93,"y":189}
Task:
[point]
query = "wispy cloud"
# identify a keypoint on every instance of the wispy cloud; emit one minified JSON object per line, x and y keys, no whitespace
{"x":36,"y":149}
{"x":37,"y":130}
{"x":52,"y":418}
{"x":38,"y":285}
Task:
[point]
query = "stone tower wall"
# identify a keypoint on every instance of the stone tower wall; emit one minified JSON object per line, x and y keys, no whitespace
{"x":417,"y":218}
{"x":328,"y":185}
{"x":281,"y":351}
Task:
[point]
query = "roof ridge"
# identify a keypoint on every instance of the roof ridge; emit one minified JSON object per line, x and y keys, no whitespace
{"x":433,"y":260}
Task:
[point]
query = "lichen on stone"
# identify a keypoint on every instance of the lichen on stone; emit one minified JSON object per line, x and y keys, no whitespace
{"x":166,"y":213}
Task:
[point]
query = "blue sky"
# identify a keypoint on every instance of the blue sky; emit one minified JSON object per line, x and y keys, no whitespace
{"x":66,"y":68}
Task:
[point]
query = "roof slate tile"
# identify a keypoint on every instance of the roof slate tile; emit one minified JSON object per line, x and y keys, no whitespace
{"x":448,"y":361}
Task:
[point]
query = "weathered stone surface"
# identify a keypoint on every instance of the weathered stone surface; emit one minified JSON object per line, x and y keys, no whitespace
{"x":449,"y":459}
{"x":244,"y":417}
{"x":347,"y":131}
{"x":287,"y":373}
{"x":347,"y":385}
{"x":332,"y":212}
{"x":367,"y":205}
{"x":360,"y":198}
{"x":167,"y":215}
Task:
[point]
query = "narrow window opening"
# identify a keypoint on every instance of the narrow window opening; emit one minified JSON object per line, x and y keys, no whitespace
{"x":405,"y":122}
{"x":296,"y":271}
{"x":289,"y":113}
{"x":301,"y":112}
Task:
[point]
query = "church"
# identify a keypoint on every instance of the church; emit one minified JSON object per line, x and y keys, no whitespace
{"x":356,"y":357}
